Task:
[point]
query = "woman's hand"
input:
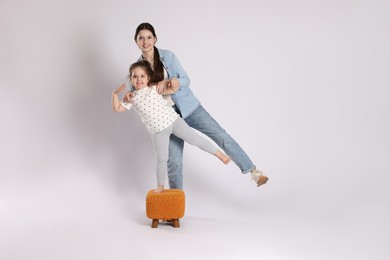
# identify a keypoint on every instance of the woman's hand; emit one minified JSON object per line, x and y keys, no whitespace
{"x":173,"y":84}
{"x":161,"y":86}
{"x":166,"y":87}
{"x":128,"y":98}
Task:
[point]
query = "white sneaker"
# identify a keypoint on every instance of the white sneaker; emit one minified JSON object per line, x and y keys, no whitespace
{"x":258,"y":177}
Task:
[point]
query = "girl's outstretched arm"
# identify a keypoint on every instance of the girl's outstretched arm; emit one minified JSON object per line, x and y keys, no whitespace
{"x":116,"y":104}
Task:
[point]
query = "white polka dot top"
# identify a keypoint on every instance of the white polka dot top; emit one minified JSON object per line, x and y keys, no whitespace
{"x":153,"y":109}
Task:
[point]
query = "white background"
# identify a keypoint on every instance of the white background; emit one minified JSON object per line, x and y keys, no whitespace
{"x":303,"y":86}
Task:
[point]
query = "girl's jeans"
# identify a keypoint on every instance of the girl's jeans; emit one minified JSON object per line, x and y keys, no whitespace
{"x":202,"y":121}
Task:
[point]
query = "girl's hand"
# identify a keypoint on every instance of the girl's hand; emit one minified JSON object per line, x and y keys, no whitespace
{"x":120,"y":89}
{"x":116,"y":104}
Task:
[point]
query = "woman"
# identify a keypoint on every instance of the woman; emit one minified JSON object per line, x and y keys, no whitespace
{"x":168,"y":72}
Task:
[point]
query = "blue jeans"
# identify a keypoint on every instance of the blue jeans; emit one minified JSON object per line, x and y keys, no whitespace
{"x":202,"y":121}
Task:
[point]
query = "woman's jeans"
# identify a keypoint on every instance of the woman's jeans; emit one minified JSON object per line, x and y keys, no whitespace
{"x":201,"y":120}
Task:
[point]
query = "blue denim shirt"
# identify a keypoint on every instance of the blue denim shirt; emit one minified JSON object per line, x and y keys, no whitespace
{"x":184,"y":99}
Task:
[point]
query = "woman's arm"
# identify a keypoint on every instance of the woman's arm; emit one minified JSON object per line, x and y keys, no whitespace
{"x":116,"y":104}
{"x":179,"y":73}
{"x":174,"y":68}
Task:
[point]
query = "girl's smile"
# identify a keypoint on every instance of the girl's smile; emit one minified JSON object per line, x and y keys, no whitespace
{"x":139,"y":79}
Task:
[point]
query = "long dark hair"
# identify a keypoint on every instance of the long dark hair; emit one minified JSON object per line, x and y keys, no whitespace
{"x":158,"y":67}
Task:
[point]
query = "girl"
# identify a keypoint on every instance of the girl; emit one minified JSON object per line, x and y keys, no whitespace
{"x":160,"y":119}
{"x":167,"y":71}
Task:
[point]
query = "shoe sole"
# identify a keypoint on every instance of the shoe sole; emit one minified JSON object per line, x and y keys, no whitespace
{"x":262,"y":180}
